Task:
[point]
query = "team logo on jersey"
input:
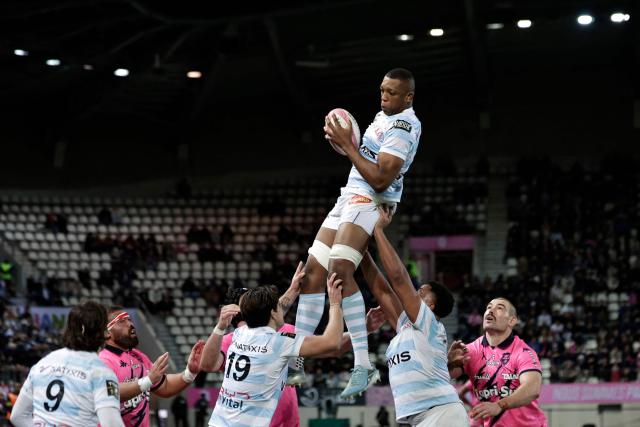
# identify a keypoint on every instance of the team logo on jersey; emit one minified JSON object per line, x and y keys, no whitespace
{"x":112,"y":389}
{"x":505,"y":358}
{"x":288,"y":334}
{"x":402,"y":124}
{"x":511,"y":377}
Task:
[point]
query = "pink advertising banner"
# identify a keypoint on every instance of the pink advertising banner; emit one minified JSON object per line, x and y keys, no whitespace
{"x":441,"y":243}
{"x":551,"y":394}
{"x":590,"y":393}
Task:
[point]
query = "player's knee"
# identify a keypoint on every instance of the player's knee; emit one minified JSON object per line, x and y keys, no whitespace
{"x":344,"y":260}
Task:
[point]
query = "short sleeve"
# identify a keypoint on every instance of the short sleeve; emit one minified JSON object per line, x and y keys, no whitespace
{"x":290,"y":344}
{"x":424,"y":319}
{"x":27,"y":387}
{"x":104,"y":385}
{"x":528,"y":361}
{"x":399,"y":139}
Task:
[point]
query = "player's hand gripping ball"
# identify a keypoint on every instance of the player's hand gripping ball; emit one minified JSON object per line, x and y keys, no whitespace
{"x":343,"y":117}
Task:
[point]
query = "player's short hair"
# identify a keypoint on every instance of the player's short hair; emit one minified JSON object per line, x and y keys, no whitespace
{"x":444,"y":299}
{"x":403,"y":74}
{"x":114,"y":308}
{"x":86,"y":326}
{"x":510,"y":306}
{"x":233,"y":297}
{"x":256,"y":305}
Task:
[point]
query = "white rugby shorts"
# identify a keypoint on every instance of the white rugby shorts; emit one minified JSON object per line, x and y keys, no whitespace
{"x":450,"y":415}
{"x":356,"y":209}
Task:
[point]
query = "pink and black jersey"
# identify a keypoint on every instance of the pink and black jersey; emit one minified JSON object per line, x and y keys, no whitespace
{"x":495,"y":374}
{"x":130,"y":366}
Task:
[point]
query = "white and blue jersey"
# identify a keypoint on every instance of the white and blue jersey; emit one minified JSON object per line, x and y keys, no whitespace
{"x":398,"y":135}
{"x":255,"y":373}
{"x":417,"y":361}
{"x":68,"y":387}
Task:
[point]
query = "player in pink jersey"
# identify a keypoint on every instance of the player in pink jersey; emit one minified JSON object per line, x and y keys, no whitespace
{"x":286,"y":413}
{"x":504,"y":371}
{"x":137,"y":376}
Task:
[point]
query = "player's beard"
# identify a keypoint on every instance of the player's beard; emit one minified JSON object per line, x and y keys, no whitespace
{"x":127,"y":341}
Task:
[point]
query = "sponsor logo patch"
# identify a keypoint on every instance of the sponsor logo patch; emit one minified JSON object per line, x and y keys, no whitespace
{"x":357,"y":199}
{"x":402,"y":124}
{"x":288,"y":334}
{"x":112,"y":389}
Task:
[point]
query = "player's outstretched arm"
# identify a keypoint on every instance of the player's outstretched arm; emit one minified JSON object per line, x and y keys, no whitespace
{"x":175,"y":383}
{"x":330,"y":340}
{"x":129,"y":390}
{"x":380,"y":289}
{"x":527,"y":392}
{"x":397,"y":273}
{"x":375,"y":319}
{"x":380,"y":175}
{"x":287,"y":299}
{"x":212,"y":358}
{"x":22,"y":412}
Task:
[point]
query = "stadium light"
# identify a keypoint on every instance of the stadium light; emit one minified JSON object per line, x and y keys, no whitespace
{"x":87,"y":67}
{"x":194,"y":74}
{"x":53,"y":62}
{"x":620,"y":17}
{"x":404,"y":37}
{"x":121,"y":72}
{"x":495,"y":26}
{"x":436,"y":32}
{"x":585,"y":19}
{"x":20,"y":52}
{"x":524,"y":23}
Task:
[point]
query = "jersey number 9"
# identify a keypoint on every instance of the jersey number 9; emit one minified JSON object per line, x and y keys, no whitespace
{"x":57,"y":397}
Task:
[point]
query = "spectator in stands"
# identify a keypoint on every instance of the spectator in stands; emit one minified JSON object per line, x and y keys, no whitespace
{"x":179,"y":409}
{"x":202,"y":410}
{"x":382,"y":417}
{"x":104,"y":216}
{"x":226,"y":235}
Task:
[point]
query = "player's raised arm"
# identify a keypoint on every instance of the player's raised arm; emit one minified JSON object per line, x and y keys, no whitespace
{"x":330,"y":340}
{"x":290,"y":295}
{"x":175,"y":383}
{"x":381,"y":290}
{"x":130,"y":389}
{"x":397,"y":273}
{"x":212,"y":357}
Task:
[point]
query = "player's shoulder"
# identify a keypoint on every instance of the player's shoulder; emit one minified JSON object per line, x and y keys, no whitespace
{"x":140,"y":356}
{"x":291,"y":335}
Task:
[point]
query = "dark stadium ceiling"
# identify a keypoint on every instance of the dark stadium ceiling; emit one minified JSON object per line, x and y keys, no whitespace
{"x":303,"y":51}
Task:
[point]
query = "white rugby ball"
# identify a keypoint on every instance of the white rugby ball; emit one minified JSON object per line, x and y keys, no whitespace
{"x":342,"y":116}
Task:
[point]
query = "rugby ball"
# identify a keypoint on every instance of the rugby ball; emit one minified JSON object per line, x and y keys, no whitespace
{"x":342,"y":116}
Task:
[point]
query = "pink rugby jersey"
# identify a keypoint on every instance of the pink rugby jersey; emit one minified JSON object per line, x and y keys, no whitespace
{"x":286,"y":414}
{"x":130,"y":366}
{"x":494,"y":373}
